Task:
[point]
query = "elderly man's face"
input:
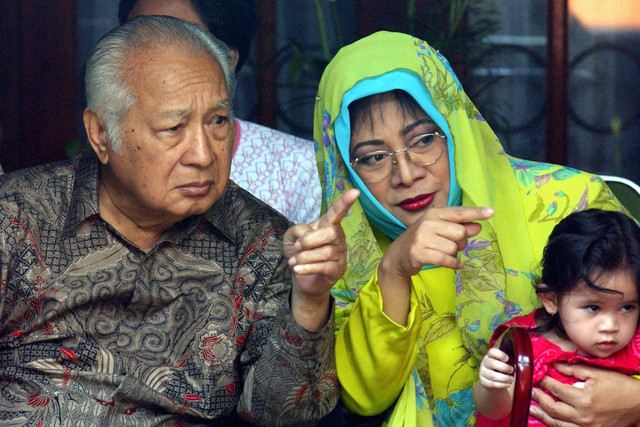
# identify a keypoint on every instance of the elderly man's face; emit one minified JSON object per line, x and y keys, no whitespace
{"x":177,"y":137}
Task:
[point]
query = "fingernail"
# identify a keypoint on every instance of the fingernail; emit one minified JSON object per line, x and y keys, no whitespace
{"x":487,"y":211}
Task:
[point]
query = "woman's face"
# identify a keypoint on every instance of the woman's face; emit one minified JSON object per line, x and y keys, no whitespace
{"x":409,"y":190}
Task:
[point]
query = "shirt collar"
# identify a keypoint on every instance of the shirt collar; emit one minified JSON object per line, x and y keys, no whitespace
{"x":84,"y":203}
{"x":218,"y":215}
{"x":84,"y":197}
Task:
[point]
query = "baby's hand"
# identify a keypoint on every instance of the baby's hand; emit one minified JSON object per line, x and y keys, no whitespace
{"x":495,"y":372}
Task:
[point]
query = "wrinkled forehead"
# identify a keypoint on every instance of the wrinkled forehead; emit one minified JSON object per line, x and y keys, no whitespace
{"x":157,"y":69}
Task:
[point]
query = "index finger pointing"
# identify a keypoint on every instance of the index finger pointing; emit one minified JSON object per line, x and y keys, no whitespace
{"x":462,"y":214}
{"x":339,"y":209}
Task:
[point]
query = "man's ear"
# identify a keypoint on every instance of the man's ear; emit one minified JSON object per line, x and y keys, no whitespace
{"x":97,"y":134}
{"x":235,"y":56}
{"x":549,"y":300}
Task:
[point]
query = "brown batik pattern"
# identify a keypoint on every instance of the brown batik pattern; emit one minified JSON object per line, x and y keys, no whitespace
{"x":94,"y":331}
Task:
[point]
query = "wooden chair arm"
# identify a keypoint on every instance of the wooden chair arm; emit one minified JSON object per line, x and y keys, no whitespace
{"x":516,"y":343}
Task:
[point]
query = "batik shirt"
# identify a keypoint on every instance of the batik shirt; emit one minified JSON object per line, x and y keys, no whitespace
{"x":94,"y":331}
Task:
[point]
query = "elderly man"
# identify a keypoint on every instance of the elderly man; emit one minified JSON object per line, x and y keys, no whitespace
{"x":278,"y":168}
{"x":140,"y":286}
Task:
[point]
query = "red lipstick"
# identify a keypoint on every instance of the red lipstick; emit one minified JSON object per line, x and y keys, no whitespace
{"x":417,"y":203}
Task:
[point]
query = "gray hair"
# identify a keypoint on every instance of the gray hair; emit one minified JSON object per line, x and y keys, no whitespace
{"x":108,"y":93}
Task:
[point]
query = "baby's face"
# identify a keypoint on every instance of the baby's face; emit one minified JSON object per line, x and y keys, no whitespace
{"x":601,"y":323}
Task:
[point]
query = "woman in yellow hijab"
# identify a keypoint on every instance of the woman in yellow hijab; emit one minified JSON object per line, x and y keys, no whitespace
{"x":446,"y":235}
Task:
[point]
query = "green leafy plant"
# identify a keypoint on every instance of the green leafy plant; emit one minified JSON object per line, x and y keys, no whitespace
{"x":458,"y":28}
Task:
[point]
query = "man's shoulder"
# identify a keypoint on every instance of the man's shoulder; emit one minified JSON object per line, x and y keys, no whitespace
{"x":250,"y":132}
{"x":44,"y":188}
{"x":244,"y":200}
{"x":239,"y":213}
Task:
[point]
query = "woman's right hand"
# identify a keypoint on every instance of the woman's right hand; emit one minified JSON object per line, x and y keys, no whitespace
{"x":434,"y":239}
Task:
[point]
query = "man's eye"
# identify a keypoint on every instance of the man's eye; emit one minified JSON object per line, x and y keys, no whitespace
{"x":174,"y":128}
{"x":593,"y":308}
{"x":220,"y":120}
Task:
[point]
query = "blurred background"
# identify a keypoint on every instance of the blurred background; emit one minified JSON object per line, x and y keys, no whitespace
{"x":559,"y":81}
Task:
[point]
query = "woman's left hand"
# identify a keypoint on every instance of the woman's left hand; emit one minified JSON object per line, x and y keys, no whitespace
{"x":608,"y":398}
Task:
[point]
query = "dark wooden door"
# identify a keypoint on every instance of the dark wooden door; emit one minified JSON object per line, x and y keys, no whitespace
{"x":38,"y":81}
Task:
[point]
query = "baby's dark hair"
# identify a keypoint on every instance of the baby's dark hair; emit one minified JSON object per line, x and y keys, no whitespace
{"x":581,"y":248}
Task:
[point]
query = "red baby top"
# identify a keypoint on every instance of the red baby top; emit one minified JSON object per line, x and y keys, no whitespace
{"x":545,"y":354}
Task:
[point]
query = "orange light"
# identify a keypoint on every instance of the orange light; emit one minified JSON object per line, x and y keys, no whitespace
{"x":606,"y":14}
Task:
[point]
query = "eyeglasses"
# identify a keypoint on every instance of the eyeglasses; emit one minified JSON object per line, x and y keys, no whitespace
{"x":423,"y":150}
